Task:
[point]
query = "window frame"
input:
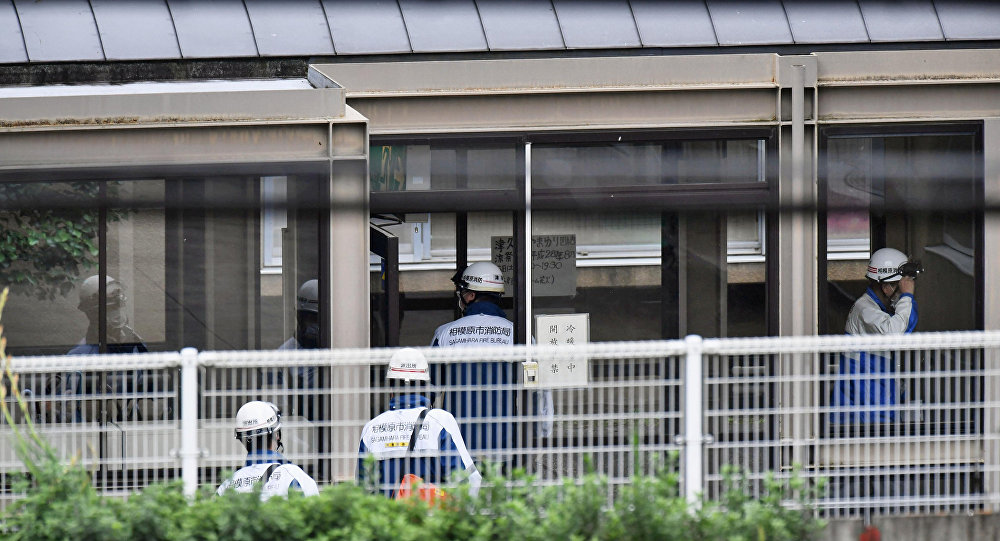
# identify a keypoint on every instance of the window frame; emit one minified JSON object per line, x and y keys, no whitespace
{"x":910,"y":129}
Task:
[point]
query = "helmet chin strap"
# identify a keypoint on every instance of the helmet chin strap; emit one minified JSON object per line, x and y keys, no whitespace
{"x":462,"y":305}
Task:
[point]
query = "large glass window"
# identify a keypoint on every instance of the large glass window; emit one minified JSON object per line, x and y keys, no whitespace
{"x":443,"y":165}
{"x":179,"y":258}
{"x":660,"y":273}
{"x":639,"y":264}
{"x":916,"y":192}
{"x":644,"y":164}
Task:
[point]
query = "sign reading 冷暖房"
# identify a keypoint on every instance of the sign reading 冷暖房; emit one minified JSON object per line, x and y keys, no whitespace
{"x":553,"y":264}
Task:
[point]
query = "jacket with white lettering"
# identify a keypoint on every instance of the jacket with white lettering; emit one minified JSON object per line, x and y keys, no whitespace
{"x":283,"y":477}
{"x":484,"y":324}
{"x":439,"y":453}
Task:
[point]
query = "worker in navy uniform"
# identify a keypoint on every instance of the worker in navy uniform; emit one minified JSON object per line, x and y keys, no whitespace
{"x":479,"y":288}
{"x":258,"y":427}
{"x":301,"y":378}
{"x":412,"y":437}
{"x":54,"y":404}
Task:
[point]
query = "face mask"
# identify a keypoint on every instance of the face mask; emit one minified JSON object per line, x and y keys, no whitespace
{"x":117,"y":318}
{"x":309,"y":336}
{"x":461,"y":302}
{"x":307,"y":331}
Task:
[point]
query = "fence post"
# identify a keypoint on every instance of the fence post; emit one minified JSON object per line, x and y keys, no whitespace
{"x":189,"y":420}
{"x":693,"y":415}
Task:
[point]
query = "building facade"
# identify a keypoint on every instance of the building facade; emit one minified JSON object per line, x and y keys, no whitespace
{"x":668,"y":169}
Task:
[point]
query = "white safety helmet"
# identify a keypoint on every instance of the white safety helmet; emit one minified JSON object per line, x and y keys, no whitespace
{"x":408,"y":364}
{"x":307,"y":299}
{"x":257,"y":418}
{"x":90,"y":293}
{"x":884,"y":265}
{"x":482,"y":276}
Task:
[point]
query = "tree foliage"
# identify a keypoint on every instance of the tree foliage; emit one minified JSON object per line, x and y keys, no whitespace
{"x":48,"y":235}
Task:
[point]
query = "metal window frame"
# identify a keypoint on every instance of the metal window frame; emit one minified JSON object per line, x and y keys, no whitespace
{"x":902,"y":129}
{"x":759,"y":196}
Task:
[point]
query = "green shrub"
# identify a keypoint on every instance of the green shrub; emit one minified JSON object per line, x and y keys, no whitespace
{"x":60,"y":503}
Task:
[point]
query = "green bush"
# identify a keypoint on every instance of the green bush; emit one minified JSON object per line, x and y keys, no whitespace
{"x":60,"y":503}
{"x":66,"y":508}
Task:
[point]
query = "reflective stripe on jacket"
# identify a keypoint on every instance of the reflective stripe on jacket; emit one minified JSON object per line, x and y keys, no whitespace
{"x":439,"y":453}
{"x":283,"y":477}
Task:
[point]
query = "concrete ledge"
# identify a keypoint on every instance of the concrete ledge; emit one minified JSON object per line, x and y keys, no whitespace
{"x":950,"y":527}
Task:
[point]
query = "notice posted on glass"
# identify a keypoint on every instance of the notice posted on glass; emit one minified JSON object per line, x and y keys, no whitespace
{"x":553,"y":264}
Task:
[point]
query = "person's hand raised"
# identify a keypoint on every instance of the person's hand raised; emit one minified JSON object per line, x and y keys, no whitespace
{"x":906,"y":285}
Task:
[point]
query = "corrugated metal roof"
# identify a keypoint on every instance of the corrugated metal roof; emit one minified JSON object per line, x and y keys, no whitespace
{"x":135,"y":30}
{"x":512,"y":25}
{"x":289,"y":28}
{"x":597,"y":25}
{"x":974,"y":19}
{"x":443,"y":25}
{"x":836,"y":21}
{"x":891,"y":20}
{"x":58,"y":31}
{"x":750,"y":22}
{"x":213,"y":28}
{"x":78,"y":30}
{"x":11,"y":40}
{"x":684,"y":23}
{"x":367,"y":27}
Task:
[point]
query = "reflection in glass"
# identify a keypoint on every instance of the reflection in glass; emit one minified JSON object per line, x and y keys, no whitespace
{"x":48,"y":246}
{"x":912,"y":193}
{"x":442,"y":166}
{"x":646,"y":164}
{"x":183,"y":264}
{"x":644,"y":276}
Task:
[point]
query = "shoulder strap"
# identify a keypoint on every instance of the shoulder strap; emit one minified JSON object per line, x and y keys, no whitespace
{"x":416,"y":429}
{"x":268,"y":472}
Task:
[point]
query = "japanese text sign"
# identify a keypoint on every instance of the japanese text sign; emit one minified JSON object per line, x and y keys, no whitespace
{"x":563,"y":330}
{"x":553,"y":264}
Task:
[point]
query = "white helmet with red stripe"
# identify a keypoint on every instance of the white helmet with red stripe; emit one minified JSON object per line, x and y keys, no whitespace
{"x":884,"y":265}
{"x":482,"y":276}
{"x":408,"y":364}
{"x":257,"y":418}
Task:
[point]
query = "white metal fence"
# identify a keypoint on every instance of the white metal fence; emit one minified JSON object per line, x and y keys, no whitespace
{"x":902,"y":424}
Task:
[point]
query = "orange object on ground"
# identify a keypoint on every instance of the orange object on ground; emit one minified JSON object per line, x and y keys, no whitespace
{"x":871,"y":533}
{"x":428,"y":492}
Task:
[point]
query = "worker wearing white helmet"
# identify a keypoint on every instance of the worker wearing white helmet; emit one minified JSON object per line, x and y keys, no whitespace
{"x":120,"y":337}
{"x":306,"y":317}
{"x":412,"y":437}
{"x":866,"y":388}
{"x":479,"y":288}
{"x":258,"y":427}
{"x":478,"y":401}
{"x":306,"y":337}
{"x":888,"y":305}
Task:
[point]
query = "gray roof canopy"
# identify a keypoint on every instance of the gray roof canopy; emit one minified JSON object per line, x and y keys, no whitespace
{"x":36,"y":31}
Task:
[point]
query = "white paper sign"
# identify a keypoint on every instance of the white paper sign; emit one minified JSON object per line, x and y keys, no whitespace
{"x":559,"y":330}
{"x":553,"y":264}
